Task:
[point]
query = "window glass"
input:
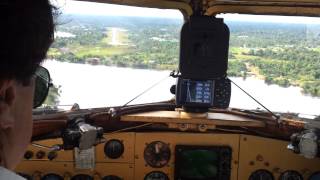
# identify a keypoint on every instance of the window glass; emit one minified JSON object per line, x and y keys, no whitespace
{"x":105,"y":55}
{"x":276,"y":59}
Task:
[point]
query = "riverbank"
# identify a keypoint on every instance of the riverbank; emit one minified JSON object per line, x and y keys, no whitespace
{"x":242,"y":69}
{"x":100,"y":86}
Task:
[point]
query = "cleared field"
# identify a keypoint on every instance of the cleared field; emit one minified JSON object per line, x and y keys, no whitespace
{"x":99,"y":51}
{"x":116,"y":37}
{"x":53,"y":52}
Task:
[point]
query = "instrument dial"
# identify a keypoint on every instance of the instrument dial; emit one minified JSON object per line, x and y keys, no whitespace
{"x":157,"y":154}
{"x":156,"y":175}
{"x":291,"y":175}
{"x":52,"y":177}
{"x":40,"y":154}
{"x":113,"y":149}
{"x":28,"y":154}
{"x":261,"y":175}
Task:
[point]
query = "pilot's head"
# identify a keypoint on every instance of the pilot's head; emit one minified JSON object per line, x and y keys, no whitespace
{"x":25,"y":38}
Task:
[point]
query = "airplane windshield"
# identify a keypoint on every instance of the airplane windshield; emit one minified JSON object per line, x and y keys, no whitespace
{"x":106,"y":55}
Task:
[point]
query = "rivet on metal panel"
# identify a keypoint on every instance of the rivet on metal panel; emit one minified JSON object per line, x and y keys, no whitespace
{"x":259,"y":157}
{"x":251,"y":163}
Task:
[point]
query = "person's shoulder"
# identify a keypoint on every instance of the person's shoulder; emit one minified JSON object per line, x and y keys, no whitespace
{"x":9,"y":175}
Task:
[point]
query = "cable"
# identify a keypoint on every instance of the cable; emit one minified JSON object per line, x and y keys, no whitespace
{"x":274,"y":115}
{"x":129,"y":128}
{"x":148,"y":89}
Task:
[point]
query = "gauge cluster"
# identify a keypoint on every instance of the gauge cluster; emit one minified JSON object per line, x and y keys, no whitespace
{"x":171,"y":156}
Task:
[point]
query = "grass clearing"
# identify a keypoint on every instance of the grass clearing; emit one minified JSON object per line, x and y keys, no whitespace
{"x":116,"y":36}
{"x":99,"y":51}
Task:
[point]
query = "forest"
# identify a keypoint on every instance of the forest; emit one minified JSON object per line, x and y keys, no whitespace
{"x":282,"y":54}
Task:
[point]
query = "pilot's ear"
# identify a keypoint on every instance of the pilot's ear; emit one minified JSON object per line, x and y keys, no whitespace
{"x":7,"y":97}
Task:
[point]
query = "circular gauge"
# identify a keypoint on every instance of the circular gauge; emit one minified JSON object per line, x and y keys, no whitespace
{"x":157,"y":154}
{"x":315,"y":176}
{"x":26,"y":176}
{"x":261,"y":175}
{"x":52,"y":177}
{"x":28,"y":154}
{"x":113,"y":149}
{"x":156,"y":175}
{"x":82,"y":177}
{"x":291,"y":175}
{"x":111,"y":177}
{"x":40,"y":154}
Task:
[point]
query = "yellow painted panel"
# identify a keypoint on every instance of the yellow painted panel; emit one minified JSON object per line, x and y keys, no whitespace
{"x":61,"y":155}
{"x":272,"y":155}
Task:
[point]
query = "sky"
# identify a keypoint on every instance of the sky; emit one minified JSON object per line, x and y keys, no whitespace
{"x":90,"y":8}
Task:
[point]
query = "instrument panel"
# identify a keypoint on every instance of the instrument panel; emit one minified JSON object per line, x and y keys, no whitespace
{"x":169,"y":156}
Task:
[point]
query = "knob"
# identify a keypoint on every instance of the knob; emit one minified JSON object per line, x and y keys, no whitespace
{"x":40,"y":154}
{"x":28,"y":155}
{"x":113,"y":148}
{"x":173,"y":89}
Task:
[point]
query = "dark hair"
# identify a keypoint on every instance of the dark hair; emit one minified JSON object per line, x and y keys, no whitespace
{"x":28,"y":35}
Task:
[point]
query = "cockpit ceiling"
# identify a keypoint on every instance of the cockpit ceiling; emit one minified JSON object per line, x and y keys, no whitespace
{"x":212,"y":7}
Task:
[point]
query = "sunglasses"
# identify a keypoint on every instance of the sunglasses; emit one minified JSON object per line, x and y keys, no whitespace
{"x":42,"y":86}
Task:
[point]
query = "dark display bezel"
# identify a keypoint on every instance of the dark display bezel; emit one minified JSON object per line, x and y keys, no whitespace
{"x":180,"y":95}
{"x":225,"y":156}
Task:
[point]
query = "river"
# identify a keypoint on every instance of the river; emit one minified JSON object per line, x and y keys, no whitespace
{"x":98,"y":86}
